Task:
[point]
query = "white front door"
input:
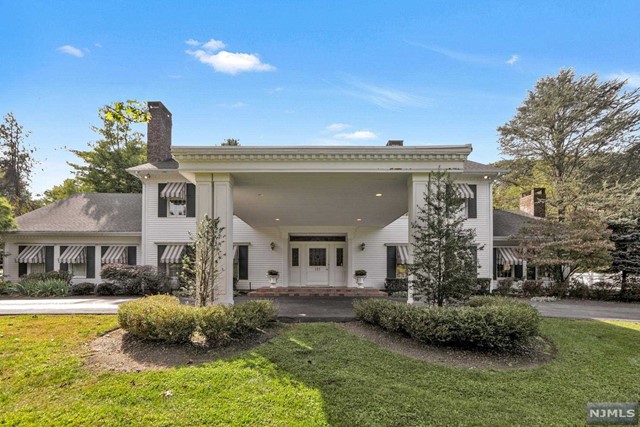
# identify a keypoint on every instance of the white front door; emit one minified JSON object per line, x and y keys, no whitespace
{"x":338,"y":264}
{"x":317,"y":264}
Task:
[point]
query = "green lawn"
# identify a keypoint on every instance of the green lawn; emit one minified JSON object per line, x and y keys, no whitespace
{"x":313,"y":374}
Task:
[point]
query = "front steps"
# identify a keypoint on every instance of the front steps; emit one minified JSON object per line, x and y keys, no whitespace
{"x":317,"y":292}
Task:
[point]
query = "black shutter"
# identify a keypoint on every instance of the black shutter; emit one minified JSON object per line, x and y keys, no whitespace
{"x":162,"y":203}
{"x":91,"y":262}
{"x":495,"y":263}
{"x":518,"y":271}
{"x":191,"y":201}
{"x":243,"y":262}
{"x":63,"y":266}
{"x":22,"y":267}
{"x":48,"y":258}
{"x":161,"y":249}
{"x":131,"y":255}
{"x":391,"y":262}
{"x":473,"y":203}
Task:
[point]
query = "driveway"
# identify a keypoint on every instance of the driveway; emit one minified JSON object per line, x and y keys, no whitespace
{"x":309,"y":309}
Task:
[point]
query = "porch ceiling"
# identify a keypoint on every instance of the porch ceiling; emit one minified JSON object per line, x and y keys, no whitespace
{"x":320,"y":199}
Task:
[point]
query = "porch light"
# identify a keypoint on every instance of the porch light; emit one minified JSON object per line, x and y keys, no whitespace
{"x":359,"y":219}
{"x":362,"y":246}
{"x":486,"y":177}
{"x":146,"y":176}
{"x":277,"y":219}
{"x":378,"y":194}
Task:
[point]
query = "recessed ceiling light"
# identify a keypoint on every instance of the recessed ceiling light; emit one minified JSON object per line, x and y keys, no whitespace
{"x":277,"y":219}
{"x":359,"y":219}
{"x":378,"y":194}
{"x":260,"y":194}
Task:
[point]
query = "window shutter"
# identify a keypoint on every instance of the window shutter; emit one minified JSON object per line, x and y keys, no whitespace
{"x":48,"y":258}
{"x":518,"y":272}
{"x":495,"y":263}
{"x":131,"y":255}
{"x":162,"y":203}
{"x":391,"y":262}
{"x":473,"y":203}
{"x":91,"y":262}
{"x":63,"y":266}
{"x":161,"y":249}
{"x":191,"y":201}
{"x":243,"y":262}
{"x":22,"y":267}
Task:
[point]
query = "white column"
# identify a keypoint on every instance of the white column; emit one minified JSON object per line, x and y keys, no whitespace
{"x":56,"y":258}
{"x":417,"y":184}
{"x":223,"y":209}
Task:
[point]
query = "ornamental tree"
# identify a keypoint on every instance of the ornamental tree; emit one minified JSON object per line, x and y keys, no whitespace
{"x":444,"y":253}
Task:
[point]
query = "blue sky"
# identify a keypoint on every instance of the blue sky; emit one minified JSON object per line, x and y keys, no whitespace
{"x":299,"y":72}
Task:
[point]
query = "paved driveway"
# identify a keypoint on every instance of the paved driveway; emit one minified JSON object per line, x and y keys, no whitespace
{"x":301,"y":309}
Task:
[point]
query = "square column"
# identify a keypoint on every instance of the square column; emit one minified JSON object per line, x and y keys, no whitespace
{"x":214,"y":197}
{"x":417,"y":184}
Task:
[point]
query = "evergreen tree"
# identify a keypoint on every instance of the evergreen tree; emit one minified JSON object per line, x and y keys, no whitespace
{"x":625,"y":235}
{"x":444,"y":253}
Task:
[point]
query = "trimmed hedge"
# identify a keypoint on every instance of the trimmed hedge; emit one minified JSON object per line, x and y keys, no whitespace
{"x":84,"y":288}
{"x":163,"y":318}
{"x":136,"y":279}
{"x":496,"y":324}
{"x":158,"y":318}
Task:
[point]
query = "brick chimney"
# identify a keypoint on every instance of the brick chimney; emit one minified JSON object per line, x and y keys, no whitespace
{"x":533,"y":202}
{"x":395,"y":143}
{"x":158,"y":133}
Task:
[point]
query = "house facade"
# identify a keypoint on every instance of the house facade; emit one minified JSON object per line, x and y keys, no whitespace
{"x":314,"y":214}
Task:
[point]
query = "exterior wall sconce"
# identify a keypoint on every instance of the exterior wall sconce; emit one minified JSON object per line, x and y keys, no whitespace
{"x":273,"y":246}
{"x":147,"y":176}
{"x":362,"y":246}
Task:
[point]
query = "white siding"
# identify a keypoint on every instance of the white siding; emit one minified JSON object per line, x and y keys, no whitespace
{"x":483,"y":225}
{"x":261,"y":257}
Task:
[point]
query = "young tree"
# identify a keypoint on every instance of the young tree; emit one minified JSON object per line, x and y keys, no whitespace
{"x":202,"y":274}
{"x":104,"y":165}
{"x":230,"y":142}
{"x":444,"y":253}
{"x":16,"y":164}
{"x":566,"y":121}
{"x":562,"y":249}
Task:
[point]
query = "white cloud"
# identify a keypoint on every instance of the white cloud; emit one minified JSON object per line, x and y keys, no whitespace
{"x":234,"y":105}
{"x":453,"y":54}
{"x":337,"y":127}
{"x":98,"y":45}
{"x":275,"y":90}
{"x":70,"y":50}
{"x":633,"y":79}
{"x":513,"y":59}
{"x":359,"y":134}
{"x":385,"y":97}
{"x":224,"y":61}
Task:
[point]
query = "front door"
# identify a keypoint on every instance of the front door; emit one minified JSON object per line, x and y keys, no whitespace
{"x":318,"y":264}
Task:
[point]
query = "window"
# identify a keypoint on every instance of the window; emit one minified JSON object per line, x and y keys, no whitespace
{"x":36,"y":268}
{"x":78,"y":270}
{"x":243,"y":262}
{"x":339,"y":257}
{"x":173,"y":270}
{"x":317,"y":257}
{"x":295,"y":257}
{"x":531,"y":272}
{"x":176,"y":208}
{"x":504,"y":270}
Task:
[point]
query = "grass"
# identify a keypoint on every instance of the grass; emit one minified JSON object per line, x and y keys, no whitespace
{"x":313,"y":375}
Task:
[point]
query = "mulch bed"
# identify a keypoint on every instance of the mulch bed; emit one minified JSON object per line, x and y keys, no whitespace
{"x":539,"y":352}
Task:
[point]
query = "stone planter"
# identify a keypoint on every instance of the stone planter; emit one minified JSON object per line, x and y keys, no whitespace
{"x":273,"y":281}
{"x":360,"y":281}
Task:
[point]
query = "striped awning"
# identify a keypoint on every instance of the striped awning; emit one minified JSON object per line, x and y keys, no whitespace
{"x":236,"y":253}
{"x":115,"y":255}
{"x":465,"y":191}
{"x":174,"y":190}
{"x":73,"y":255}
{"x":508,"y":256}
{"x":402,"y":254}
{"x":31,"y":254}
{"x":172,"y":254}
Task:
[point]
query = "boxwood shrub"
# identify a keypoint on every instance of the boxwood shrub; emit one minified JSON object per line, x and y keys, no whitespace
{"x":488,"y":323}
{"x":158,"y":318}
{"x":221,"y":324}
{"x":136,"y":279}
{"x":84,"y":288}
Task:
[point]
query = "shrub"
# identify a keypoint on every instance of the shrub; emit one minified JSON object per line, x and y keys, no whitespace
{"x":532,"y":288}
{"x":496,"y":324}
{"x":53,"y":275}
{"x":158,"y":318}
{"x":557,"y":289}
{"x":482,"y":300}
{"x":360,"y":273}
{"x":482,"y":286}
{"x":84,"y":288}
{"x":396,"y":285}
{"x":41,"y":288}
{"x":5,"y":287}
{"x":221,"y":324}
{"x":631,"y":291}
{"x":579,"y":290}
{"x":136,"y":279}
{"x":603,"y":290}
{"x":106,"y":289}
{"x":504,"y":287}
{"x":273,"y":273}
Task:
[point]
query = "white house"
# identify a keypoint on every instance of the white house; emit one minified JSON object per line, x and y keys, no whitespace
{"x":315,"y":214}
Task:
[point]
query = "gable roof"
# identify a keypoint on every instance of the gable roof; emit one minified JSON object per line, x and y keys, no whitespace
{"x":509,"y":223}
{"x":86,"y":213}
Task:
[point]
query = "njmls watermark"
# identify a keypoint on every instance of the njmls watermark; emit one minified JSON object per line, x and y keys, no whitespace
{"x":612,"y":413}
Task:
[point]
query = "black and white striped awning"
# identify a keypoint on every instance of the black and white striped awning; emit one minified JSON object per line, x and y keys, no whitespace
{"x":508,"y":256}
{"x":115,"y":255}
{"x":174,"y":190}
{"x":73,"y":255}
{"x":31,"y":254}
{"x":402,"y":254}
{"x":465,"y":191}
{"x":172,"y":254}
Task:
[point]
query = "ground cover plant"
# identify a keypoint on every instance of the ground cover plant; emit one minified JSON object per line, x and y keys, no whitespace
{"x":311,"y":375}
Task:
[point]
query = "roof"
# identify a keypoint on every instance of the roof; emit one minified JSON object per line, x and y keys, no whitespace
{"x":471,"y":166}
{"x":509,"y":223}
{"x":164,"y":165}
{"x":86,"y":213}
